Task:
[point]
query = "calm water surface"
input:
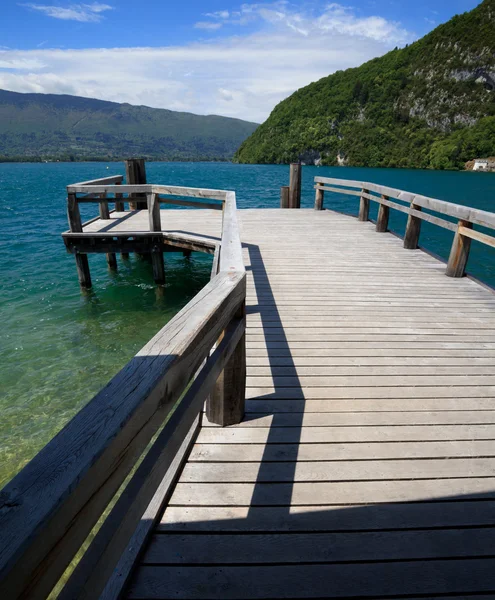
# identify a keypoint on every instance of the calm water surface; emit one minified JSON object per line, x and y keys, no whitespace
{"x":59,"y":347}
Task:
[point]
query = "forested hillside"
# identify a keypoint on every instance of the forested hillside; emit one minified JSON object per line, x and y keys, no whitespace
{"x":49,"y":126}
{"x":429,"y":105}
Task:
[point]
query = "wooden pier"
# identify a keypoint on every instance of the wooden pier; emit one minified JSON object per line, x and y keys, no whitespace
{"x":347,"y":446}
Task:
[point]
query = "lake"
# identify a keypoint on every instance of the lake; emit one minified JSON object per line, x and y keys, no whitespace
{"x":60,"y":347}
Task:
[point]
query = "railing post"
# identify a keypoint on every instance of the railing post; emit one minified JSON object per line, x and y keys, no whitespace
{"x":120,"y":207}
{"x":157,"y":249}
{"x":459,"y":253}
{"x":135,"y":171}
{"x":295,"y":186}
{"x":105,"y":214}
{"x":364,"y":206}
{"x":226,"y":404}
{"x":75,"y":226}
{"x":383,"y":214}
{"x":413,"y":229}
{"x":319,"y":196}
{"x":284,"y":196}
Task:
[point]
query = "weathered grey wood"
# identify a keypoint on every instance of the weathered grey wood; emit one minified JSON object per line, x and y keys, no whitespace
{"x":339,"y":190}
{"x":319,"y":196}
{"x":469,"y":232}
{"x":398,"y":433}
{"x":112,"y":180}
{"x":154,"y":212}
{"x":158,"y":262}
{"x":284,"y":196}
{"x":226,"y":404}
{"x":423,"y":515}
{"x":377,"y":580}
{"x":175,"y":190}
{"x":480,"y":217}
{"x":341,"y":452}
{"x":295,"y":185}
{"x":73,"y":214}
{"x":364,"y":206}
{"x":119,"y":203}
{"x":413,"y":229}
{"x":94,"y":570}
{"x":135,"y":172}
{"x":459,"y":253}
{"x":191,"y":203}
{"x":335,"y":492}
{"x":79,"y":471}
{"x":83,"y":272}
{"x":383,"y":215}
{"x":255,"y":548}
{"x":120,"y":575}
{"x":231,"y":259}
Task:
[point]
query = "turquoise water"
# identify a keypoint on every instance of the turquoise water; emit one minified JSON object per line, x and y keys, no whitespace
{"x":59,"y":347}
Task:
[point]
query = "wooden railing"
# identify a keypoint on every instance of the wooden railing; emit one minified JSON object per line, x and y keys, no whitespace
{"x":131,"y":431}
{"x":413,"y":205}
{"x":110,"y":190}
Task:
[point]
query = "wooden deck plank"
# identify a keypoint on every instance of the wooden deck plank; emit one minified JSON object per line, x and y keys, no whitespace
{"x":365,"y":465}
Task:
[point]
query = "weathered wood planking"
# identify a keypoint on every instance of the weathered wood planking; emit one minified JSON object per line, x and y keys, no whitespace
{"x":370,"y":409}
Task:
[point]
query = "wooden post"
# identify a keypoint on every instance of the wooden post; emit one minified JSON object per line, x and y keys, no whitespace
{"x":135,"y":172}
{"x":225,"y":405}
{"x":105,"y":214}
{"x":75,"y":225}
{"x":364,"y":207}
{"x":413,"y":228}
{"x":295,"y":186}
{"x":186,"y":253}
{"x":319,"y":196}
{"x":120,"y":207}
{"x":284,"y":196}
{"x":383,"y":214}
{"x":459,"y":252}
{"x":157,"y":248}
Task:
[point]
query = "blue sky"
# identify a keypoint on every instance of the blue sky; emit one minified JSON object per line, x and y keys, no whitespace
{"x":209,"y":56}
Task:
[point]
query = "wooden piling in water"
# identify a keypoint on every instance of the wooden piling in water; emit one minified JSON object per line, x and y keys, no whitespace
{"x":295,"y":186}
{"x":157,"y":249}
{"x":135,"y":173}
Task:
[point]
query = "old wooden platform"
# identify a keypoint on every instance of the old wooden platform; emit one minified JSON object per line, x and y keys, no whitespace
{"x":317,"y":422}
{"x":365,"y":464}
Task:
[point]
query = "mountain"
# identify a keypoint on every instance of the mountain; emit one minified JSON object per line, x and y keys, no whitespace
{"x":428,"y":105}
{"x":48,"y":126}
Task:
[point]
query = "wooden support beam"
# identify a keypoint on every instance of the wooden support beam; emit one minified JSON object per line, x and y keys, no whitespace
{"x":459,"y":253}
{"x":105,"y":214}
{"x":319,"y":196}
{"x":413,"y":229}
{"x":383,"y":214}
{"x":119,"y":204}
{"x":157,"y":248}
{"x":225,"y":405}
{"x":364,"y":206}
{"x":295,"y":186}
{"x":135,"y":172}
{"x":284,"y":196}
{"x":75,"y":225}
{"x":83,"y":273}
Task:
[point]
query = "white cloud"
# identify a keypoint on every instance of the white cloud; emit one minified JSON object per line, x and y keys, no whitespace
{"x":207,"y":25}
{"x":240,"y":76}
{"x":84,"y":13}
{"x":219,"y":14}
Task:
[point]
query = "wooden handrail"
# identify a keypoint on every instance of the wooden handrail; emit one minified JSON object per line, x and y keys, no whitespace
{"x":412,"y":205}
{"x":48,"y":510}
